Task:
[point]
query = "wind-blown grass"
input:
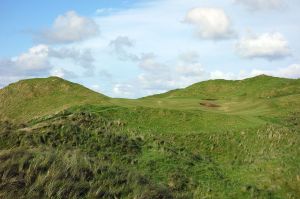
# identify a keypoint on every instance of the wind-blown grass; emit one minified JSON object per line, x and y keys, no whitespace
{"x":78,"y":144}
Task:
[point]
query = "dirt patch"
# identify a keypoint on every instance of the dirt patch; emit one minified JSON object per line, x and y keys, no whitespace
{"x":210,"y":99}
{"x":209,"y":104}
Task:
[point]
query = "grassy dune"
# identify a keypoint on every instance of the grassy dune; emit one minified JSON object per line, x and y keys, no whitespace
{"x":36,"y":97}
{"x":215,"y":139}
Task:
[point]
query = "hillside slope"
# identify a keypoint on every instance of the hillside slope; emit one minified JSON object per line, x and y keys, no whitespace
{"x":261,"y":86}
{"x":258,"y":99}
{"x":40,"y":96}
{"x":100,"y":152}
{"x":166,"y":146}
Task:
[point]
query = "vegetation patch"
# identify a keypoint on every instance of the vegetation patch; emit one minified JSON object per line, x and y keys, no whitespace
{"x":60,"y":140}
{"x":209,"y":104}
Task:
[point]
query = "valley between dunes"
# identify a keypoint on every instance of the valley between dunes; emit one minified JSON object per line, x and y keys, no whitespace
{"x":213,"y":139}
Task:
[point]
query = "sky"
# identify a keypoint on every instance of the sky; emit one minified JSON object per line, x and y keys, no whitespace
{"x":131,"y":49}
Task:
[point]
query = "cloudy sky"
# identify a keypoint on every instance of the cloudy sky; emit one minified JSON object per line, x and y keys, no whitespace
{"x":130,"y":48}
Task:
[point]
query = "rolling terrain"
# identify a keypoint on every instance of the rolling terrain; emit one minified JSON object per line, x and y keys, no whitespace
{"x":36,"y":97}
{"x":214,"y":139}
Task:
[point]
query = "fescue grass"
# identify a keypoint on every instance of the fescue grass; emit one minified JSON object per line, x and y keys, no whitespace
{"x":60,"y":140}
{"x":26,"y":99}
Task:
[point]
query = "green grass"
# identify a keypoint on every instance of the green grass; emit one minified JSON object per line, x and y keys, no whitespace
{"x":37,"y":97}
{"x":258,"y":87}
{"x":61,"y":140}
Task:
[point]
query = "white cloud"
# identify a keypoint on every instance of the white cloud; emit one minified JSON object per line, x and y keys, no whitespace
{"x":38,"y":61}
{"x":149,"y":83}
{"x":222,"y":75}
{"x":124,"y":90}
{"x":261,"y":4}
{"x":96,"y":87}
{"x":35,"y":59}
{"x":167,"y":36}
{"x":119,"y":46}
{"x":211,"y":23}
{"x":121,"y":42}
{"x":159,"y":77}
{"x":58,"y":73}
{"x":270,"y":46}
{"x":190,"y":70}
{"x":157,"y":83}
{"x":149,"y":63}
{"x":63,"y":73}
{"x":81,"y":57}
{"x":69,"y":27}
{"x":291,"y":71}
{"x":32,"y":63}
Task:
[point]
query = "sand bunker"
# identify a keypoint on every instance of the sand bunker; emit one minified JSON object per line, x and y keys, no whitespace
{"x":209,"y":104}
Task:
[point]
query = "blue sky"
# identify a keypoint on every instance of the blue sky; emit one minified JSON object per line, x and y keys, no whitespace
{"x":136,"y":48}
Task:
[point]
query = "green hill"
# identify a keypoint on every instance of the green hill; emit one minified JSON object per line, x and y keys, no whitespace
{"x":36,"y":97}
{"x":262,"y":86}
{"x":257,"y":99}
{"x":214,"y":139}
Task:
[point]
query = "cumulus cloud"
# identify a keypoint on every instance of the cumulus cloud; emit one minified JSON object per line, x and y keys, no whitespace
{"x":270,"y":46}
{"x":35,"y":59}
{"x":34,"y":62}
{"x":120,"y":45}
{"x":190,"y":70}
{"x":145,"y":61}
{"x":261,"y":4}
{"x":38,"y":61}
{"x":120,"y":42}
{"x":81,"y":57}
{"x":185,"y":75}
{"x":222,"y":75}
{"x":68,"y":28}
{"x":63,"y":73}
{"x":162,"y":76}
{"x":158,"y":76}
{"x":156,"y":83}
{"x":124,"y":90}
{"x":211,"y":23}
{"x":149,"y":63}
{"x":171,"y":79}
{"x":291,"y":71}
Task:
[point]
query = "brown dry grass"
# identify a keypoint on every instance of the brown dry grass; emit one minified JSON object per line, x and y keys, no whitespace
{"x":209,"y":104}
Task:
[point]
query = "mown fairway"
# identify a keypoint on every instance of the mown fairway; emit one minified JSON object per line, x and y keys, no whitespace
{"x":214,"y":139}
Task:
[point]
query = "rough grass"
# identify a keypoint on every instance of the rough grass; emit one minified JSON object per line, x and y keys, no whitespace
{"x":158,"y":147}
{"x":26,"y":99}
{"x":60,"y":156}
{"x":260,"y":87}
{"x":72,"y":156}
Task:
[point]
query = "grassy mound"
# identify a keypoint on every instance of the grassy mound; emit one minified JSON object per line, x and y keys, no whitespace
{"x":80,"y":144}
{"x":72,"y":156}
{"x":257,"y":87}
{"x":36,"y":97}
